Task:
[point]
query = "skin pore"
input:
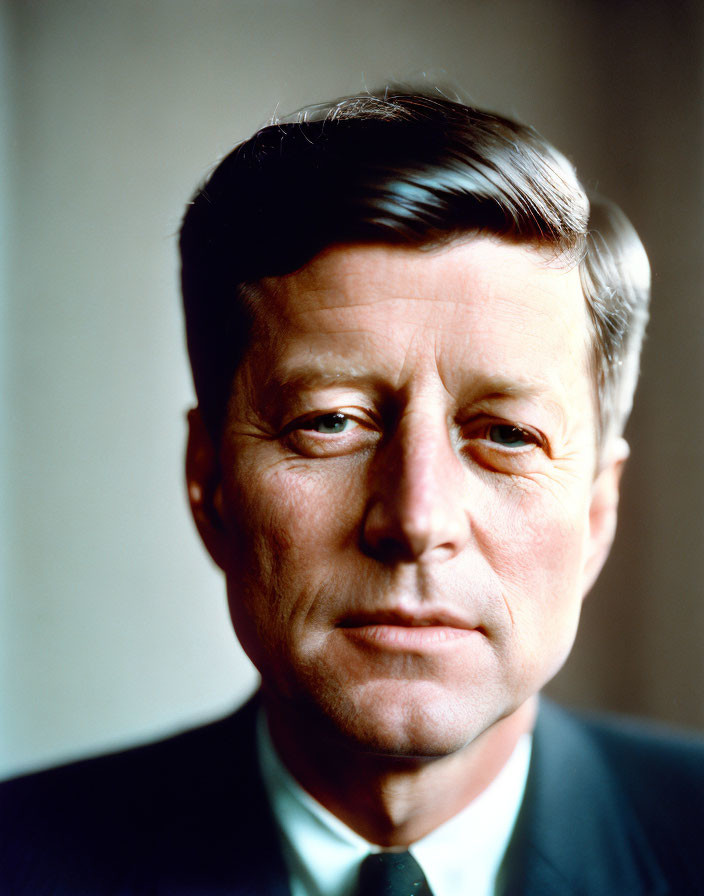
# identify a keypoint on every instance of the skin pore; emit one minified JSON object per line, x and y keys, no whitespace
{"x":405,"y":505}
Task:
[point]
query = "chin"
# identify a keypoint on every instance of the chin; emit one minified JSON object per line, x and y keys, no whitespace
{"x":408,"y":720}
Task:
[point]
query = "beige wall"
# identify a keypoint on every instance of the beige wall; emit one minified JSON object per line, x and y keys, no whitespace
{"x":113,"y":623}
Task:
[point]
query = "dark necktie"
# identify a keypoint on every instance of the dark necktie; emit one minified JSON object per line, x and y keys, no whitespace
{"x":391,"y":874}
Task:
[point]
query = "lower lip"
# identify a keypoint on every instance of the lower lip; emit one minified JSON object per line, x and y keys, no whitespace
{"x":402,"y":637}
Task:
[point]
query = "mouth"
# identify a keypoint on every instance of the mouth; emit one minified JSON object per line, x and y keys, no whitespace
{"x":404,"y":630}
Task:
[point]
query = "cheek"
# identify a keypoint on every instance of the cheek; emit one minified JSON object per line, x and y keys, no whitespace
{"x":285,"y":528}
{"x":267,"y":512}
{"x":540,"y":554}
{"x":296,"y":516}
{"x":538,"y":561}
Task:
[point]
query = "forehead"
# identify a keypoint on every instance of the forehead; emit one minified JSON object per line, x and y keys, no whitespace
{"x":483,"y":306}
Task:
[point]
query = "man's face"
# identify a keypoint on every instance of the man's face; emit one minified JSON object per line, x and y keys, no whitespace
{"x":406,"y":505}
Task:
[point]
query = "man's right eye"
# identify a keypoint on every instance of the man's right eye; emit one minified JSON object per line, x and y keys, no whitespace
{"x":329,"y":424}
{"x":331,"y":433}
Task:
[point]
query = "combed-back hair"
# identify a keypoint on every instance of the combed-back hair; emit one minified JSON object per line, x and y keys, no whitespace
{"x":397,"y":168}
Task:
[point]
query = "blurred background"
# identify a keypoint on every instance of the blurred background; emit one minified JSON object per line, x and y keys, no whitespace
{"x":113,"y":624}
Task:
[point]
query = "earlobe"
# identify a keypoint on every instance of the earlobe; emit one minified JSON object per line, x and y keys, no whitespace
{"x":203,"y":484}
{"x":603,"y":511}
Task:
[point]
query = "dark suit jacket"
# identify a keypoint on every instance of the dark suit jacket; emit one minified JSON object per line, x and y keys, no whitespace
{"x":609,"y":811}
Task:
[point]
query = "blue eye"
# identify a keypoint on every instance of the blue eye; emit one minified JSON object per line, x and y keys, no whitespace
{"x":508,"y":436}
{"x":329,"y":424}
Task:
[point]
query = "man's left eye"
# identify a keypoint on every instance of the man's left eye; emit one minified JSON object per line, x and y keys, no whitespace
{"x":509,"y":436}
{"x":330,"y":424}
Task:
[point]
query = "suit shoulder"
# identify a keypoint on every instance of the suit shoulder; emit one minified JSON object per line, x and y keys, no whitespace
{"x":658,"y":770}
{"x":141,"y":771}
{"x":639,"y":747}
{"x":124,"y":808}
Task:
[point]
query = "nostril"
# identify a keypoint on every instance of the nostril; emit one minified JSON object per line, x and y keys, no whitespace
{"x":393,"y":534}
{"x":388,"y":550}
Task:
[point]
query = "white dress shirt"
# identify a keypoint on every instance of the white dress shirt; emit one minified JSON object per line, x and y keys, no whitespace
{"x":462,"y":856}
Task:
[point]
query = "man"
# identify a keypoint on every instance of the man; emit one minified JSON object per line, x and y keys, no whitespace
{"x":414,"y":347}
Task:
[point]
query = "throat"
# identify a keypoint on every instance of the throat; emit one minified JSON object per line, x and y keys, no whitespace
{"x":395,"y":801}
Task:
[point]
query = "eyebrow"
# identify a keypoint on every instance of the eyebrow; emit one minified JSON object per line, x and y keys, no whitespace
{"x":279,"y":388}
{"x":502,"y":387}
{"x":276,"y":392}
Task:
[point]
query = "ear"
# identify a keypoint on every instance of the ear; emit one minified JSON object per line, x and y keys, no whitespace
{"x":203,"y":484}
{"x":603,"y":512}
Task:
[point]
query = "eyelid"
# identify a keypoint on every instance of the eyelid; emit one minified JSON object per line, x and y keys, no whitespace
{"x":311,"y":425}
{"x":309,"y":442}
{"x":484,"y":422}
{"x":361,"y":416}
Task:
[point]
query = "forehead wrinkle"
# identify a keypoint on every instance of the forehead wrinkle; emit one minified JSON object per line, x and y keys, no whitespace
{"x":404,"y":303}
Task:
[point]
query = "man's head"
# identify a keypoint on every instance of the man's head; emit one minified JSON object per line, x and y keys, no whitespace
{"x":399,"y":169}
{"x":412,"y":356}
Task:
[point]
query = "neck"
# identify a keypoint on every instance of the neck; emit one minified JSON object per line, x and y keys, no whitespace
{"x":394,"y":801}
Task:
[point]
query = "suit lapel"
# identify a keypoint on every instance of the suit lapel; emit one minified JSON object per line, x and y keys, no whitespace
{"x":575,"y":833}
{"x":229,"y":845}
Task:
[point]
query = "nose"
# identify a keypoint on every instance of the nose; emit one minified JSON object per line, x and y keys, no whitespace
{"x":417,"y":510}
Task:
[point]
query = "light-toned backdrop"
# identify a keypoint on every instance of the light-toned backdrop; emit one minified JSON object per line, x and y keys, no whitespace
{"x":113,"y":626}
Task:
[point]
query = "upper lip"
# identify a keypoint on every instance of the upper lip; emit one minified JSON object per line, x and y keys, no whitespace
{"x":409,"y":618}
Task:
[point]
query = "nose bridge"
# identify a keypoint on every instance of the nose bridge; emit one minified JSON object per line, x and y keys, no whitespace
{"x":419,"y":510}
{"x":425,"y":461}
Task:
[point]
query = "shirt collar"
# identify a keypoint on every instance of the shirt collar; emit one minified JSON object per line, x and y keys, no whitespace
{"x":463,"y":855}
